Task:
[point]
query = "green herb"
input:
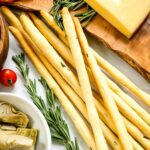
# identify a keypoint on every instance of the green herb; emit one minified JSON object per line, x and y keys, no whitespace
{"x":52,"y":112}
{"x":84,"y":17}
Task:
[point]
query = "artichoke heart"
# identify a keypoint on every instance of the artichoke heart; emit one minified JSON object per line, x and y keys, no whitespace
{"x":14,"y":142}
{"x":8,"y":114}
{"x":13,"y":132}
{"x":25,"y":132}
{"x":30,"y":133}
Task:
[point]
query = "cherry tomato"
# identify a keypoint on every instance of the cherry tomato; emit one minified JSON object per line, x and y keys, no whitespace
{"x":8,"y":77}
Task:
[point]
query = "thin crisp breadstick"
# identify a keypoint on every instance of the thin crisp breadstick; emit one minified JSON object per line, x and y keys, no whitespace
{"x":11,"y":18}
{"x":139,"y":136}
{"x":50,"y":20}
{"x":132,"y":129}
{"x":114,"y":72}
{"x":65,"y":41}
{"x":99,"y":108}
{"x":51,"y":37}
{"x":123,"y":103}
{"x":83,"y":80}
{"x":107,"y":133}
{"x":122,"y":79}
{"x":143,"y":114}
{"x":32,"y":44}
{"x":130,"y":114}
{"x":130,"y":101}
{"x":110,"y":137}
{"x":79,"y":123}
{"x":48,"y":51}
{"x":40,"y":25}
{"x":101,"y":111}
{"x":77,"y":101}
{"x":104,"y":89}
{"x":136,"y":145}
{"x":14,"y":21}
{"x":112,"y":140}
{"x":46,"y":32}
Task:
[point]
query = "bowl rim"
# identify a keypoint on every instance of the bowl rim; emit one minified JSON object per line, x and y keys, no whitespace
{"x":28,"y":102}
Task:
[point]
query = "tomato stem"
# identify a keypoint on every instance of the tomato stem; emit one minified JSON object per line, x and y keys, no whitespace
{"x":10,"y":82}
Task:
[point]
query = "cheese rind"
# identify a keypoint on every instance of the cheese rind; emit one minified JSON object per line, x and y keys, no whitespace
{"x":125,"y":15}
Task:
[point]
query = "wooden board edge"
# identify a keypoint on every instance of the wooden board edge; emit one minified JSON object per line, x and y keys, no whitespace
{"x":129,"y":60}
{"x":5,"y":38}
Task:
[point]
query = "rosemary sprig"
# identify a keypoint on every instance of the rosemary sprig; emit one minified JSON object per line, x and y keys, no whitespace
{"x":84,"y":17}
{"x":52,"y":112}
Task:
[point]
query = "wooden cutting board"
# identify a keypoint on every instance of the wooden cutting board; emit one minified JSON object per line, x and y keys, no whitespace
{"x":4,"y":41}
{"x":135,"y":51}
{"x":34,"y":4}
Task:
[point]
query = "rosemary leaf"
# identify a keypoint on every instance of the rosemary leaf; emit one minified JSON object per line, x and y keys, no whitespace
{"x":84,"y":17}
{"x":52,"y":112}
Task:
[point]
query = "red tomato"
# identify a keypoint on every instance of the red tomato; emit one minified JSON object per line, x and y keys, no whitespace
{"x":8,"y":77}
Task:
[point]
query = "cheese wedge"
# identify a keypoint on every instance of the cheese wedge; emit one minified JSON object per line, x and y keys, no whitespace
{"x":125,"y":15}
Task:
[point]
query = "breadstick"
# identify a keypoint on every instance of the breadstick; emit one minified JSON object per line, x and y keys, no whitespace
{"x":32,"y":44}
{"x":143,"y":114}
{"x":50,"y":20}
{"x":132,"y":129}
{"x":100,"y":109}
{"x":136,"y":145}
{"x":51,"y":37}
{"x":41,"y":26}
{"x":114,"y":72}
{"x":139,"y":136}
{"x":11,"y":18}
{"x":65,"y":41}
{"x":77,"y":101}
{"x":111,"y":139}
{"x":123,"y":103}
{"x":130,"y":101}
{"x":101,"y":112}
{"x":83,"y":80}
{"x":104,"y":89}
{"x":129,"y":113}
{"x":48,"y":51}
{"x":122,"y":79}
{"x":79,"y":123}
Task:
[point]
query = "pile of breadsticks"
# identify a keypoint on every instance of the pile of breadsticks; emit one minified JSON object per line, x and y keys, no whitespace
{"x":72,"y":69}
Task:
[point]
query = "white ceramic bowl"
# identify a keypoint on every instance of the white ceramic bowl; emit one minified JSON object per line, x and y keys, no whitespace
{"x":37,"y":120}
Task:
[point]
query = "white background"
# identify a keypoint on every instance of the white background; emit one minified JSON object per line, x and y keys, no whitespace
{"x":109,"y":55}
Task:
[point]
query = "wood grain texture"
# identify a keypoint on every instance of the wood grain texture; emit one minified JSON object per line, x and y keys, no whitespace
{"x":34,"y":4}
{"x":4,"y":41}
{"x":136,"y":51}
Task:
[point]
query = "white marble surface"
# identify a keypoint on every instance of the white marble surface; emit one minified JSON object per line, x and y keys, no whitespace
{"x":110,"y":56}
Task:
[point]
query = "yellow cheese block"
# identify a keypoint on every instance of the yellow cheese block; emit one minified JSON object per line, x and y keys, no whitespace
{"x":125,"y":15}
